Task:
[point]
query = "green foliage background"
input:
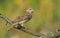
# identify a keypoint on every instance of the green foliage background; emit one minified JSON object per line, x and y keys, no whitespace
{"x":45,"y":18}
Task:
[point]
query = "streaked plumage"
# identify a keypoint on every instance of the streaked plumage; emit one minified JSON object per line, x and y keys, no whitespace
{"x":23,"y":19}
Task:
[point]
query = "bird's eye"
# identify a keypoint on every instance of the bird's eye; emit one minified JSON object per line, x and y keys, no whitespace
{"x":29,"y":9}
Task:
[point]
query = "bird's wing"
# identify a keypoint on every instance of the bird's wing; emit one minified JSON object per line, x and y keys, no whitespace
{"x":25,"y":16}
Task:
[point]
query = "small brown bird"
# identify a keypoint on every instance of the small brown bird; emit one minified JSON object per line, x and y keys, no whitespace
{"x":23,"y":19}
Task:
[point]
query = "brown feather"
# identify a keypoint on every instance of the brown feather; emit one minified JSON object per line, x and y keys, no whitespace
{"x":25,"y":16}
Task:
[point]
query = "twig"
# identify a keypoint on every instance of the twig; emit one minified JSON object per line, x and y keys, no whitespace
{"x":6,"y":19}
{"x":20,"y":27}
{"x":55,"y":33}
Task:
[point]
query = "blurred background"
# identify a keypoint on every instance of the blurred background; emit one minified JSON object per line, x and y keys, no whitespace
{"x":46,"y":17}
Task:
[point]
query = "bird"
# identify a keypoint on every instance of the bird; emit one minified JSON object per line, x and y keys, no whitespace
{"x":20,"y":20}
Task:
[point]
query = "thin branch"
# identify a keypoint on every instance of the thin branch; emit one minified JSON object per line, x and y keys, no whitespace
{"x":49,"y":35}
{"x":29,"y":31}
{"x":6,"y":19}
{"x":20,"y":27}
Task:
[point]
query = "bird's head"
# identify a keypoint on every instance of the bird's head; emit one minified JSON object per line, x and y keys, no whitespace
{"x":30,"y":10}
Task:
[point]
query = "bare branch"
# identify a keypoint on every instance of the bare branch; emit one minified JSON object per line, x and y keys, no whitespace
{"x":6,"y":19}
{"x":55,"y":34}
{"x":20,"y":27}
{"x":29,"y":31}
